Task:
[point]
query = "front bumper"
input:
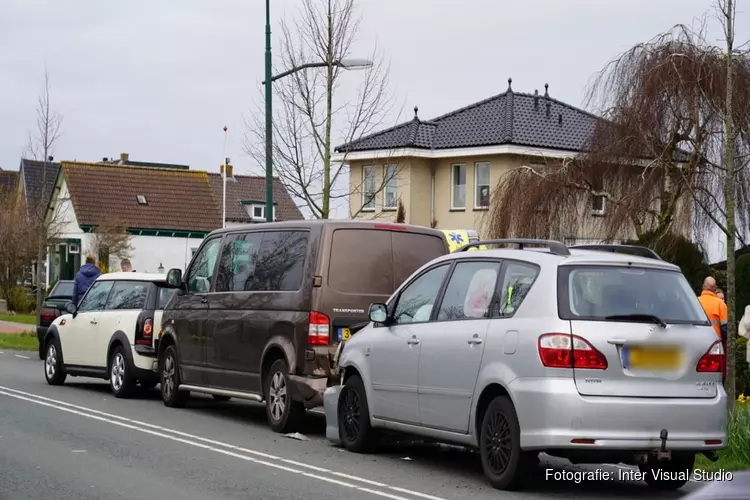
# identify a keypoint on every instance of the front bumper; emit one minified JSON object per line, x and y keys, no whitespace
{"x":331,"y":407}
{"x":552,"y":415}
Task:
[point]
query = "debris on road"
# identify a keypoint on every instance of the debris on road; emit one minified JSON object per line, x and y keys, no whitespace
{"x":297,"y":436}
{"x":406,"y":458}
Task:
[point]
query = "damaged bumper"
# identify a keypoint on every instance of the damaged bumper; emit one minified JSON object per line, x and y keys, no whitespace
{"x":331,"y":407}
{"x":321,"y":367}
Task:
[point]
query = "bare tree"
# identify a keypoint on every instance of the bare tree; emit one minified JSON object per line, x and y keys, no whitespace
{"x":111,"y":239}
{"x":307,"y":112}
{"x":40,"y":147}
{"x":653,"y":153}
{"x":17,"y":242}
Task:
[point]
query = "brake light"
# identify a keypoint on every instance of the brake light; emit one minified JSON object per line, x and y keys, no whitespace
{"x":148,"y":328}
{"x":319,"y":328}
{"x":145,"y":332}
{"x":391,"y":227}
{"x":49,"y":314}
{"x":713,"y":360}
{"x":561,"y":350}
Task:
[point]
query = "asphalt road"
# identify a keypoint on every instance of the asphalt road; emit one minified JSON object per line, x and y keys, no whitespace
{"x":79,"y":442}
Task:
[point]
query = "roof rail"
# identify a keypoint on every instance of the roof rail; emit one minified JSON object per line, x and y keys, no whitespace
{"x":631,"y":249}
{"x":555,"y":247}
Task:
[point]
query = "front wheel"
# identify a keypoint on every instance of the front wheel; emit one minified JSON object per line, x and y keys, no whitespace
{"x":169,"y":374}
{"x":284,"y":414}
{"x":670,"y":474}
{"x":121,"y":381}
{"x":355,"y":431}
{"x":53,"y":369}
{"x":505,"y":464}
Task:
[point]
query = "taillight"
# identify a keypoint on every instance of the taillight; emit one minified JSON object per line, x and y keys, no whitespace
{"x":319,"y":328}
{"x":49,"y":314}
{"x":145,"y":333}
{"x":713,"y":360}
{"x":561,"y":350}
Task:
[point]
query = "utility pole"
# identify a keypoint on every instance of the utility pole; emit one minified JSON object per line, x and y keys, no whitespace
{"x":224,"y":183}
{"x":269,"y":119}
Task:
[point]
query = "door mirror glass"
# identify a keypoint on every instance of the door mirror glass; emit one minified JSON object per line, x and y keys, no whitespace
{"x":71,"y":308}
{"x":378,"y":313}
{"x":174,"y":278}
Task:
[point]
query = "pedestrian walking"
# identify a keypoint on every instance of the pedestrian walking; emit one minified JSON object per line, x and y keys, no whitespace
{"x":85,"y":278}
{"x":715,"y":308}
{"x":743,"y":328}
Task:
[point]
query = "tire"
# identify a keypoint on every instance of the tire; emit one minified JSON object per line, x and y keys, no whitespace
{"x":283,"y":413}
{"x":121,"y":381}
{"x":54,"y":372}
{"x":41,"y":350}
{"x":220,"y":398}
{"x":676,"y":466}
{"x":500,"y":432}
{"x":169,"y":378}
{"x":355,"y":431}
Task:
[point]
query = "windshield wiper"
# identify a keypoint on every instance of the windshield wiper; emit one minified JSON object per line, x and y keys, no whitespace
{"x":638,"y":316}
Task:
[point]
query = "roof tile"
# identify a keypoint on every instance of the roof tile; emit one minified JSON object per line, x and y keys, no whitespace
{"x":252,"y":188}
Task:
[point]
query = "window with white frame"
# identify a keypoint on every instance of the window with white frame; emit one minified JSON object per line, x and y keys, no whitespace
{"x":390,"y":187}
{"x":258,"y":212}
{"x":458,"y":187}
{"x":481,"y":185}
{"x":597,"y":205}
{"x":368,"y":188}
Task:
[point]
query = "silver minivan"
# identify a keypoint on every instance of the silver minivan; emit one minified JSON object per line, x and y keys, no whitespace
{"x":594,"y":356}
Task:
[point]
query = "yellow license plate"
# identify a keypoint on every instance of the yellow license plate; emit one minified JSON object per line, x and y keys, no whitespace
{"x":652,"y":358}
{"x":345,"y":334}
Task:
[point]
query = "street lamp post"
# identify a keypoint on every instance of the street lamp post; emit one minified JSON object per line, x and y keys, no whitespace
{"x":268,"y":82}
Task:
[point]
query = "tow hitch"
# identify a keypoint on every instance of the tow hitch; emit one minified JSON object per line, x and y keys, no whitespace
{"x":662,"y":453}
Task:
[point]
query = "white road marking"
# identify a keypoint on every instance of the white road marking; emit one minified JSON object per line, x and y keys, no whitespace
{"x":78,"y":451}
{"x":212,"y":445}
{"x":1,"y":352}
{"x":22,"y":357}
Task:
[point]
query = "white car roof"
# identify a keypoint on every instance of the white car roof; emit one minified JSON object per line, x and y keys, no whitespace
{"x":133,"y":277}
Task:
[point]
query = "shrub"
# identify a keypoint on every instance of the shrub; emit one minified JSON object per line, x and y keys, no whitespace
{"x":21,"y":301}
{"x":401,"y":214}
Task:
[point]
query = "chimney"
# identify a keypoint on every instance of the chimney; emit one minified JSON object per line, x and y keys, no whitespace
{"x":105,"y":159}
{"x":124,"y":157}
{"x":546,"y":97}
{"x":51,"y":158}
{"x":559,"y":118}
{"x":536,"y":99}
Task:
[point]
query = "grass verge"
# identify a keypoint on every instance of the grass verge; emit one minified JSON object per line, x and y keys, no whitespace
{"x":736,"y":456}
{"x":28,"y":319}
{"x":19,"y":341}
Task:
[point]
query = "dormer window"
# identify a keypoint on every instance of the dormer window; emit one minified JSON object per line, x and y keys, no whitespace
{"x":257,"y":211}
{"x":141,"y":199}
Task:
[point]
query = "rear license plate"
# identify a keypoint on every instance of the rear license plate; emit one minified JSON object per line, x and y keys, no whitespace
{"x":344,"y":334}
{"x":651,"y":358}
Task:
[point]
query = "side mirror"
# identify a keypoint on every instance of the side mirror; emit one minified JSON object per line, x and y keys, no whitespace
{"x":71,"y":308}
{"x":378,"y":313}
{"x":174,"y":278}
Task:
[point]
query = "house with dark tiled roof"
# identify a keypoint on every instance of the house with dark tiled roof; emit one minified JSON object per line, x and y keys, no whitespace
{"x":8,"y":182}
{"x":167,"y":211}
{"x":246,"y":199}
{"x":36,"y":179}
{"x":444,"y":169}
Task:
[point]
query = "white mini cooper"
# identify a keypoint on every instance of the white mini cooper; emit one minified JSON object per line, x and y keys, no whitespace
{"x":110,"y":333}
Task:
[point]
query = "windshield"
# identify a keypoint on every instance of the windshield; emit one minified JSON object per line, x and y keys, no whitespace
{"x":599,"y":293}
{"x":62,"y":289}
{"x":164,"y":295}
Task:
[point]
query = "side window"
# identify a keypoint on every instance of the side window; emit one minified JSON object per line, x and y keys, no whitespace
{"x":517,"y":282}
{"x":96,"y":298}
{"x":280,"y":263}
{"x":202,"y":269}
{"x":128,"y":295}
{"x":470,"y":290}
{"x":163,"y":296}
{"x":416,"y":301}
{"x":237,"y":263}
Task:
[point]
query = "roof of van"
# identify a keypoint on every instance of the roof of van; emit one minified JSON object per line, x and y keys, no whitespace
{"x":133,"y":277}
{"x":308,"y":223}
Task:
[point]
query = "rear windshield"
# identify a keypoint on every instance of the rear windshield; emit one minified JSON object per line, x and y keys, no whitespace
{"x":62,"y":289}
{"x":164,"y":294}
{"x":599,"y":293}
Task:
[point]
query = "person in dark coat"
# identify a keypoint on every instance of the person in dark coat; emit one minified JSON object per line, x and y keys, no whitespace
{"x":85,"y":278}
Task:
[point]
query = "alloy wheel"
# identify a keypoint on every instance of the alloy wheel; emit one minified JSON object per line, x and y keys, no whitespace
{"x":351,"y":414}
{"x":118,"y":372}
{"x":277,"y":394}
{"x":497,"y":442}
{"x":168,"y":377}
{"x":51,"y":361}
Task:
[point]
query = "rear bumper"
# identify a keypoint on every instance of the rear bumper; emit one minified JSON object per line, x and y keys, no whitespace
{"x":41,"y":331}
{"x":308,"y":390}
{"x":553,"y":414}
{"x":319,"y":365}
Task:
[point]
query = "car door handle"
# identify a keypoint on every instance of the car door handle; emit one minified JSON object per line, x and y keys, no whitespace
{"x":413,"y":341}
{"x":475,"y":340}
{"x":93,"y":321}
{"x":616,"y":341}
{"x":204,"y":300}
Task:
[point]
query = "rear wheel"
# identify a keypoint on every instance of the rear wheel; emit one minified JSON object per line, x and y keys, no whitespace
{"x":53,"y":368}
{"x":669,"y":474}
{"x":355,"y":431}
{"x":284,"y":414}
{"x":121,"y":381}
{"x":169,"y":374}
{"x":505,"y":465}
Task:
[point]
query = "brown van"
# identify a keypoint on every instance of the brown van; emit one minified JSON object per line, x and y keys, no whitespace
{"x":261,"y":308}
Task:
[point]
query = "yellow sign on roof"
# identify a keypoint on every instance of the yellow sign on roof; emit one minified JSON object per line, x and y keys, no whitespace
{"x":458,"y":238}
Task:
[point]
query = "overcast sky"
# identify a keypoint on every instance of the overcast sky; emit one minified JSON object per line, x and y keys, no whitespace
{"x":160,"y":78}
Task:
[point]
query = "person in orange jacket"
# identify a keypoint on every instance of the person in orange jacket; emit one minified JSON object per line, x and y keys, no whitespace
{"x":715,"y":308}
